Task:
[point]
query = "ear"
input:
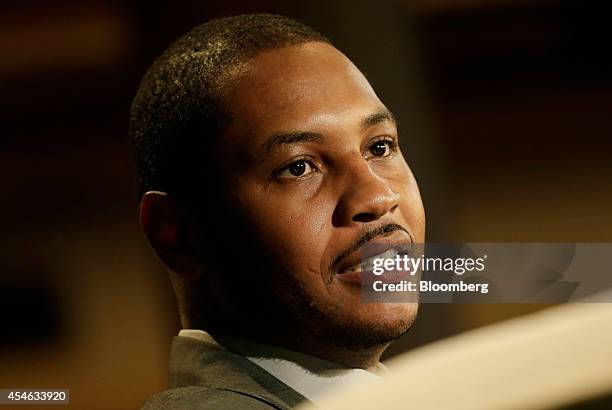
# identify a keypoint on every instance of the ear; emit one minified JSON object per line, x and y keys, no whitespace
{"x":169,"y":232}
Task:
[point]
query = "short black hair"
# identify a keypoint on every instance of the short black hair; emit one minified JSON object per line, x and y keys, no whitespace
{"x":177,"y":112}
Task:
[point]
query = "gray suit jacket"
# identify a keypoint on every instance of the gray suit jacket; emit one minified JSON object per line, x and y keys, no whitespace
{"x":206,"y":376}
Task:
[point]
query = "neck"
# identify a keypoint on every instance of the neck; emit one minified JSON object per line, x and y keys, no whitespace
{"x":362,"y":358}
{"x":365,"y":358}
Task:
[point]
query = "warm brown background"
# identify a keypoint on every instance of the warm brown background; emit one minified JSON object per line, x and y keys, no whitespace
{"x":506,"y":118}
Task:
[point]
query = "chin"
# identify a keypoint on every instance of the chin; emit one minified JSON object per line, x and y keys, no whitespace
{"x":373,"y":324}
{"x":396,"y":318}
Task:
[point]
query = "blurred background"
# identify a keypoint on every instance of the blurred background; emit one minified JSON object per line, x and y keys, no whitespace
{"x":504,"y":108}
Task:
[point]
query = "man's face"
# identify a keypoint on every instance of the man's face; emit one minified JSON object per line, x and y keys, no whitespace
{"x":312,"y":162}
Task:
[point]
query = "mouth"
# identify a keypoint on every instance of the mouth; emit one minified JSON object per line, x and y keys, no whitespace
{"x":351,"y":268}
{"x":352,"y":274}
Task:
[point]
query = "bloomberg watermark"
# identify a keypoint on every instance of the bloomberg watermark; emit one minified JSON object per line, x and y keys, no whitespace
{"x":486,"y":273}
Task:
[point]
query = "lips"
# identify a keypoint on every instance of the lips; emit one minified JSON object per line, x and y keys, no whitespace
{"x":353,"y":273}
{"x":351,"y":267}
{"x":368,"y":263}
{"x":350,"y":277}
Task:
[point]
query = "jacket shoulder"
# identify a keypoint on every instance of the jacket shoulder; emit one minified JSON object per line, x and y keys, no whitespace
{"x":204,"y":398}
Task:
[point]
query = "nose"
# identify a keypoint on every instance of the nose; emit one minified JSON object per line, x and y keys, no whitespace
{"x":366,"y":197}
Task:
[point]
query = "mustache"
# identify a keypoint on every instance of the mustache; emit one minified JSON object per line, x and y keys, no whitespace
{"x":366,"y":237}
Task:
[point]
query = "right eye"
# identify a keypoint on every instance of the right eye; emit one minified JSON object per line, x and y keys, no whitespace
{"x":297,"y":169}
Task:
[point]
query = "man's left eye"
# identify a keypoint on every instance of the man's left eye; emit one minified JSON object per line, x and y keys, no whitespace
{"x":380,"y":149}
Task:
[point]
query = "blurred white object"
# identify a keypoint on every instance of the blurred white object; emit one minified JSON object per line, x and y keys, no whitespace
{"x":556,"y":357}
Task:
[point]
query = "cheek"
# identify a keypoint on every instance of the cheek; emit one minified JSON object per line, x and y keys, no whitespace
{"x":411,"y":205}
{"x":293,"y":226}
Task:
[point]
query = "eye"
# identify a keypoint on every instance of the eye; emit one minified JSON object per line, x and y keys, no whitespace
{"x":297,"y":169}
{"x":381,"y":148}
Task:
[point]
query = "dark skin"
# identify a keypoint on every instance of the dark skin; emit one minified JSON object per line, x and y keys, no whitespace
{"x":311,"y":164}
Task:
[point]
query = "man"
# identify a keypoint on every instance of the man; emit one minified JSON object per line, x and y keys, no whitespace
{"x":265,"y":163}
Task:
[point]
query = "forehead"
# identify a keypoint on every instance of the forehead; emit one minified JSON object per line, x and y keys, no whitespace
{"x":307,"y":86}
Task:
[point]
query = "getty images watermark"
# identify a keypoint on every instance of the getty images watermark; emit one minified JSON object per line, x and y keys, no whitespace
{"x":486,"y":273}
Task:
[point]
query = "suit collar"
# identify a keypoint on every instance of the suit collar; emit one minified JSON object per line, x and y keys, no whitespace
{"x":199,"y":362}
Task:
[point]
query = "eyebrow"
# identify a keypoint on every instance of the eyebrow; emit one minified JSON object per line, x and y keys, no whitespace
{"x":284,"y":138}
{"x":381,"y":116}
{"x":296,"y":137}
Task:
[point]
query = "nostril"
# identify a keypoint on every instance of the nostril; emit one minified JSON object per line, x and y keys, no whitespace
{"x":364,"y":217}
